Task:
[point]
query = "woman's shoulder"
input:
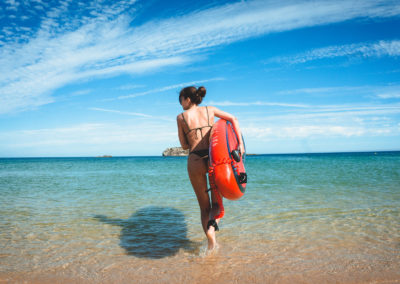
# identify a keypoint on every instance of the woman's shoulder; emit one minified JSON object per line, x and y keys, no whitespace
{"x":210,"y":109}
{"x":179,"y":116}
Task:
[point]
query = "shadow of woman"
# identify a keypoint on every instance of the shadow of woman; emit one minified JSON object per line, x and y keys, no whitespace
{"x":153,"y":232}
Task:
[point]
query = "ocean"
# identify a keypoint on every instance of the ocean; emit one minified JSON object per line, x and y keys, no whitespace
{"x":305,"y":218}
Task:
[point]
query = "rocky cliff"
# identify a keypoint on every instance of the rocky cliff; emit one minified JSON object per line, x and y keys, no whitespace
{"x":175,"y":151}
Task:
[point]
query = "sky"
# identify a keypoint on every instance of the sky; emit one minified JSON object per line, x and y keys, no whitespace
{"x":89,"y":78}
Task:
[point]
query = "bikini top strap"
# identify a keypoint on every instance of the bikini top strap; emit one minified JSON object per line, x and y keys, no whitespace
{"x":208,"y":117}
{"x":185,"y":122}
{"x":197,"y":128}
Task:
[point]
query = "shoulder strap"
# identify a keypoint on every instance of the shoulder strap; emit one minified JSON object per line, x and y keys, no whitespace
{"x":208,"y":118}
{"x":185,"y":121}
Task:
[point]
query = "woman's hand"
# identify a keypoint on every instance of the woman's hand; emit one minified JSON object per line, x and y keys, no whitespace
{"x":235,"y":123}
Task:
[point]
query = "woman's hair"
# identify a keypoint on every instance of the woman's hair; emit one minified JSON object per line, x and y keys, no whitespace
{"x":195,"y":95}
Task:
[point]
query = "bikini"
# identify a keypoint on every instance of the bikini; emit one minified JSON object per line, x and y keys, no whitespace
{"x":203,"y":153}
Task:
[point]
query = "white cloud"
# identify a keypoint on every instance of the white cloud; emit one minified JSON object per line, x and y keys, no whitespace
{"x":382,"y":92}
{"x":170,"y":87}
{"x":376,"y":49}
{"x":395,"y":95}
{"x":121,"y":112}
{"x":143,"y":134}
{"x":327,"y":112}
{"x":101,"y":40}
{"x":89,"y":139}
{"x":317,"y":130}
{"x":137,"y":114}
{"x":301,"y":131}
{"x":324,"y":90}
{"x":130,"y":86}
{"x":81,"y":92}
{"x":258,"y":103}
{"x":351,"y":120}
{"x":12,"y":5}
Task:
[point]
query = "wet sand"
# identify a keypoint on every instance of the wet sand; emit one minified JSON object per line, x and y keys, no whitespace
{"x":227,"y":265}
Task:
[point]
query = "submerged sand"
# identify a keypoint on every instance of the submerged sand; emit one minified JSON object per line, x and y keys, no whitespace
{"x":278,"y":264}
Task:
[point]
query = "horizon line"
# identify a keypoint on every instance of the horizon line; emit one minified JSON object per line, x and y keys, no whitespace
{"x":156,"y":156}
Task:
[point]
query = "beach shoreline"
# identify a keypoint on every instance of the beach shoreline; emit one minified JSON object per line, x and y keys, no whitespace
{"x":214,"y":269}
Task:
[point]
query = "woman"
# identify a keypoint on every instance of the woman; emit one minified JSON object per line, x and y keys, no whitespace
{"x":194,"y":128}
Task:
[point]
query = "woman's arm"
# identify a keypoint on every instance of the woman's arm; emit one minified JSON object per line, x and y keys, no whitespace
{"x":232,"y":119}
{"x":181,"y":133}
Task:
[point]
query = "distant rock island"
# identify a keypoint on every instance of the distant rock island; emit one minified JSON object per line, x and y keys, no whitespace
{"x":175,"y":151}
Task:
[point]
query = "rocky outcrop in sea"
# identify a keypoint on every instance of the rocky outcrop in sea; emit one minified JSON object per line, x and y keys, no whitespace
{"x":175,"y":151}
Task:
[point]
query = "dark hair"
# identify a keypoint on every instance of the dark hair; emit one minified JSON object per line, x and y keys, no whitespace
{"x":196,"y":95}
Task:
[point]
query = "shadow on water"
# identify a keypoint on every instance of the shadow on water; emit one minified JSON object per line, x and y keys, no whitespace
{"x":153,"y":232}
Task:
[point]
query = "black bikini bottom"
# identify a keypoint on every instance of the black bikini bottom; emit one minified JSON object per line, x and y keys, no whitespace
{"x":201,"y":153}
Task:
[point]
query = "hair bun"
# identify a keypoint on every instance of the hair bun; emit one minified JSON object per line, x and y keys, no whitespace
{"x":201,"y":91}
{"x":196,"y":95}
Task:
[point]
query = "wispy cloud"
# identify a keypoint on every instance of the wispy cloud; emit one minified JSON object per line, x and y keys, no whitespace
{"x":336,"y":111}
{"x":12,"y":5}
{"x":89,"y":139}
{"x":75,"y":42}
{"x":380,"y":92}
{"x":326,"y":90}
{"x":376,"y":92}
{"x":331,"y":113}
{"x":303,"y":131}
{"x":147,"y":135}
{"x":351,"y":120}
{"x":325,"y":121}
{"x":170,"y":87}
{"x":258,"y":103}
{"x":277,"y":120}
{"x":130,"y":87}
{"x":376,"y":49}
{"x":394,"y":95}
{"x":121,"y":112}
{"x":317,"y":130}
{"x":131,"y":113}
{"x":81,"y":92}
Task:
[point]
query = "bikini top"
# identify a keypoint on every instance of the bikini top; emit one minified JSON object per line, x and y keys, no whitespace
{"x":197,"y":128}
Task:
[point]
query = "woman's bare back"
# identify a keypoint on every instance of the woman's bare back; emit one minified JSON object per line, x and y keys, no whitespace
{"x":197,"y":127}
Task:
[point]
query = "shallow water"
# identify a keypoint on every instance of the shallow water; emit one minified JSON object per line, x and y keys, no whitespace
{"x":315,"y":217}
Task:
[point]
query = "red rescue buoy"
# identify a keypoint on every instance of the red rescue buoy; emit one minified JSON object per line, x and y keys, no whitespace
{"x":227,"y":174}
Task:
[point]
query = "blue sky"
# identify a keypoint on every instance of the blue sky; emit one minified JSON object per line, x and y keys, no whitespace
{"x":87,"y":78}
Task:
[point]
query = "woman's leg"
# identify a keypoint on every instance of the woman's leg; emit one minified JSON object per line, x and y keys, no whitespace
{"x":197,"y":169}
{"x":215,"y":208}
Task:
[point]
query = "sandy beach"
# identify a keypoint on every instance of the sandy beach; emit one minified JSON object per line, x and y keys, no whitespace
{"x":218,"y":268}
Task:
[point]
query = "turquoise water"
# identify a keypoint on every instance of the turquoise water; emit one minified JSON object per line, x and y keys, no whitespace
{"x":329,"y":212}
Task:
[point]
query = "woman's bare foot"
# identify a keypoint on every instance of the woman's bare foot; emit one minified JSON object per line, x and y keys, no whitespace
{"x":212,"y":242}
